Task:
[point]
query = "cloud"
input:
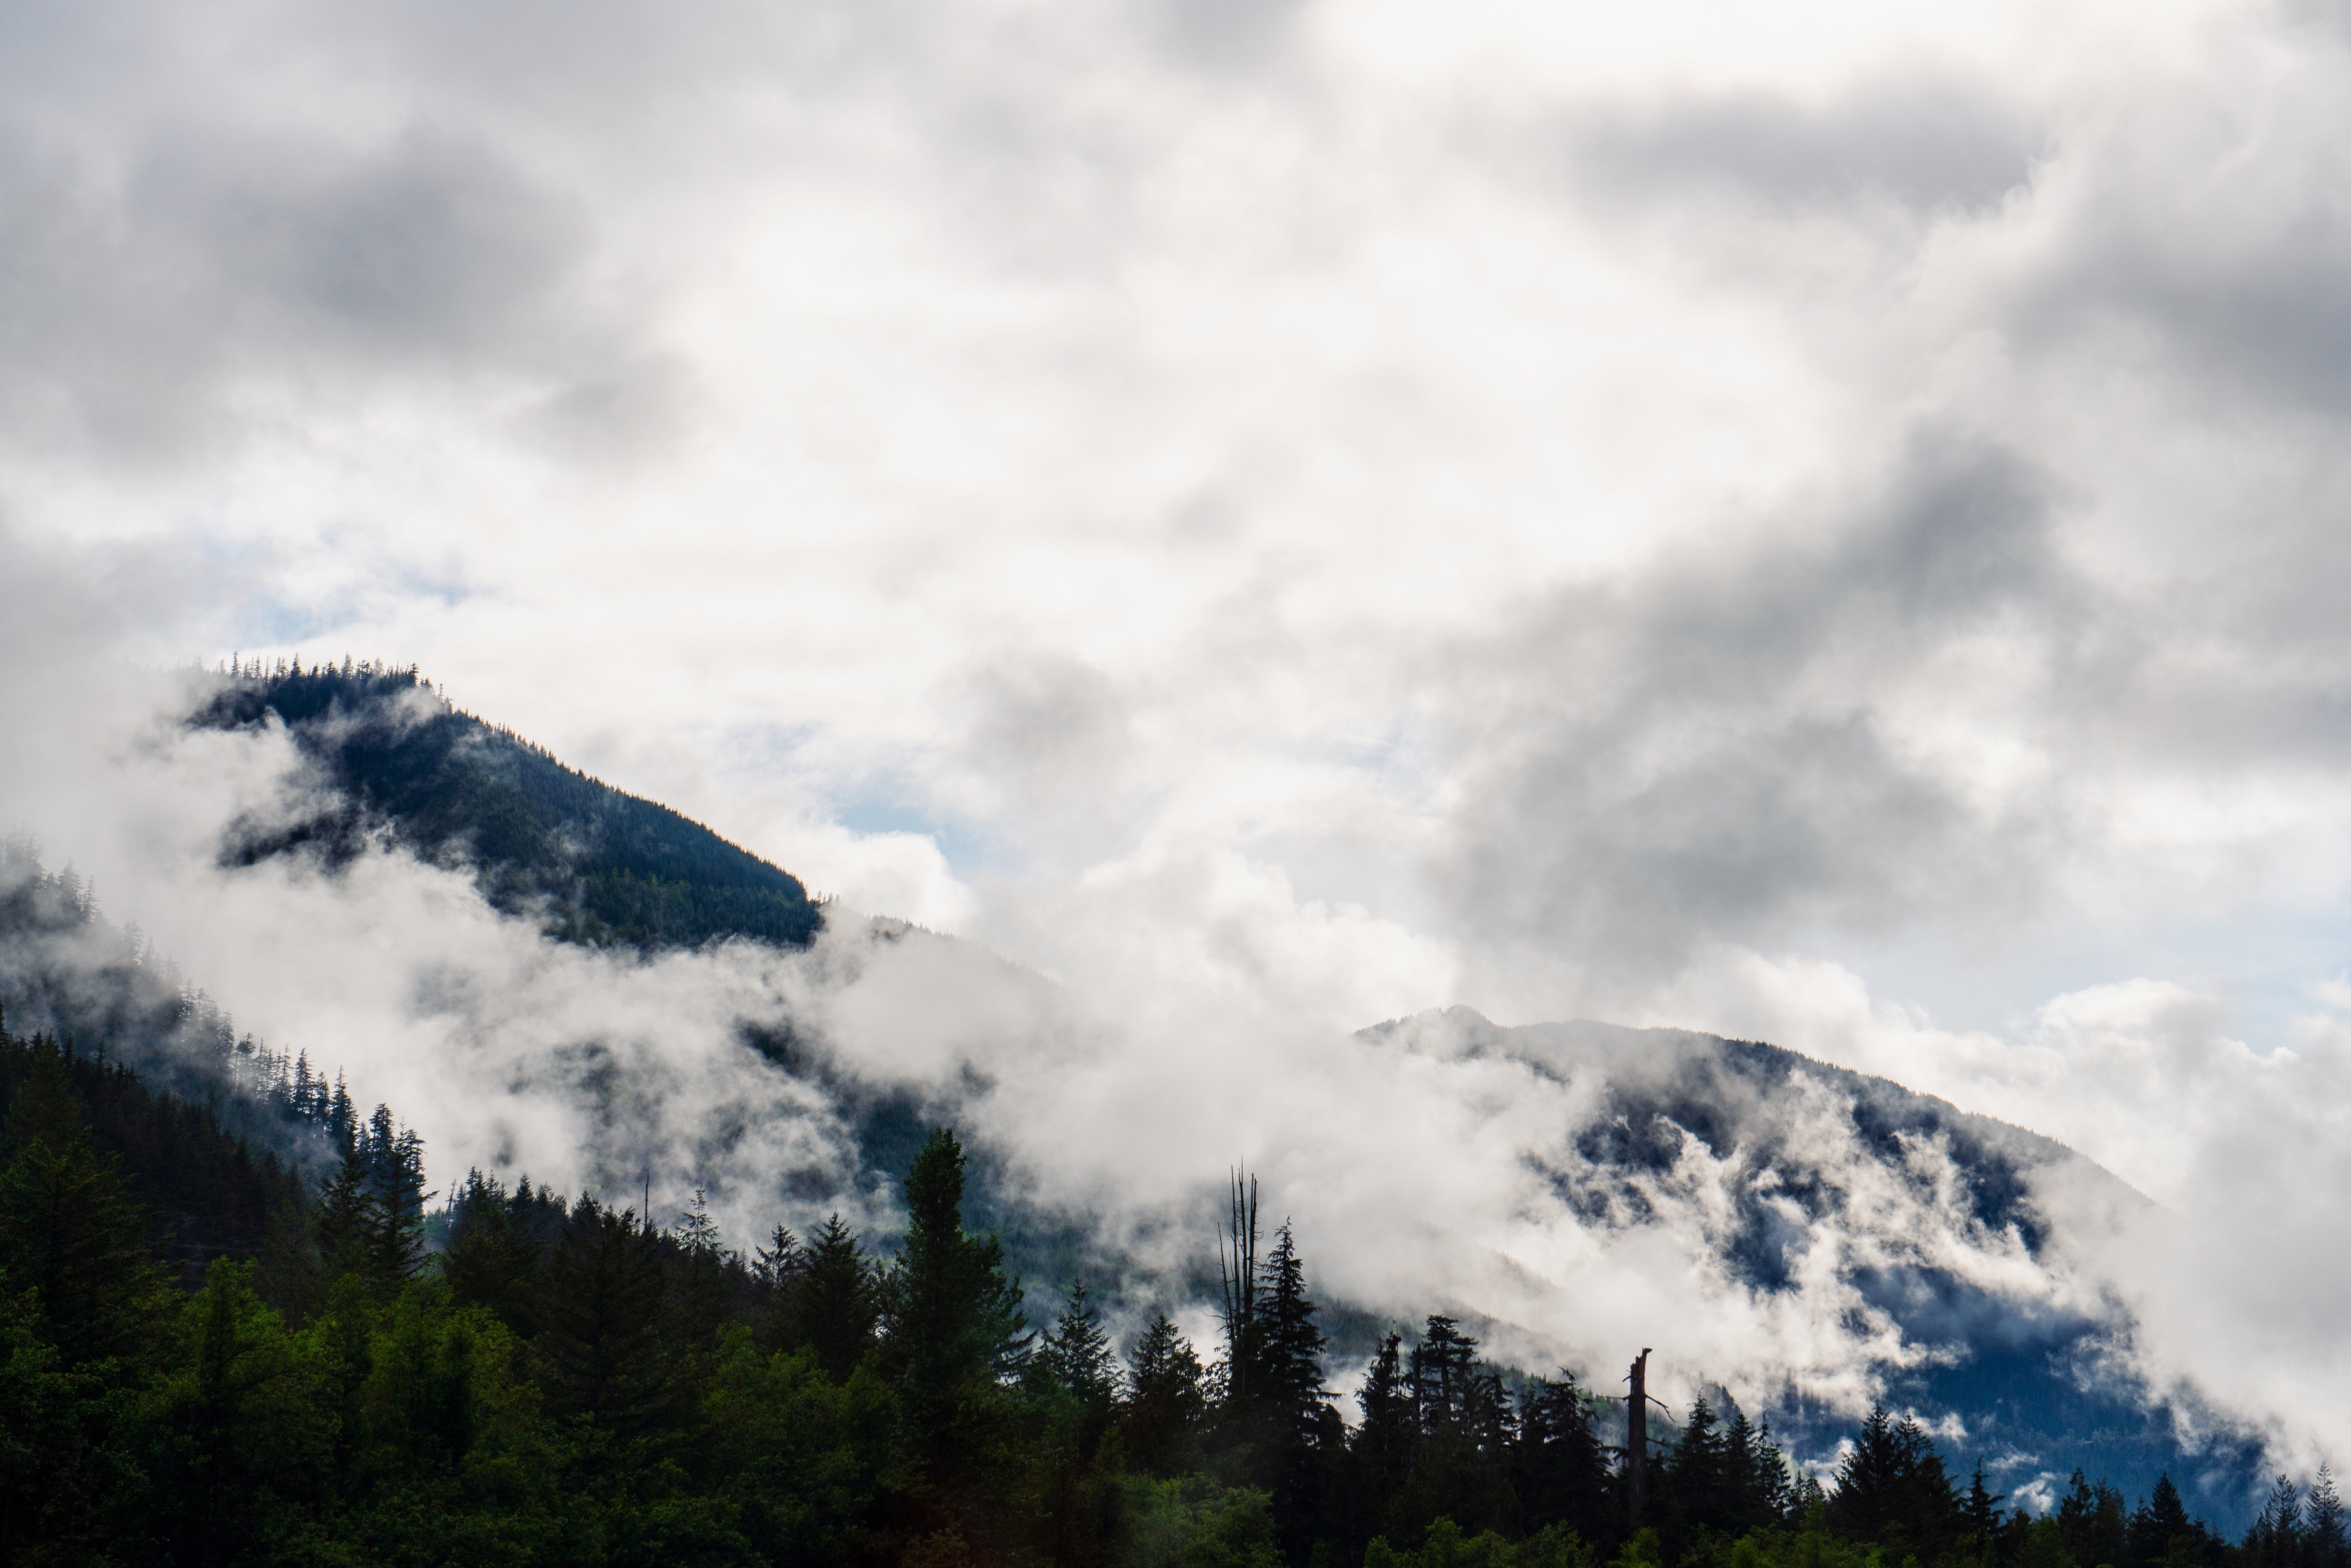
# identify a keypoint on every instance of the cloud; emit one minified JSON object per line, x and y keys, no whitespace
{"x":1274,"y":517}
{"x":1722,"y":748}
{"x":1928,"y":145}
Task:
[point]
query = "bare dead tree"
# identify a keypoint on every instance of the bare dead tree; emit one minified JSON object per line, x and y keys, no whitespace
{"x":1637,"y":1438}
{"x":1237,"y":1267}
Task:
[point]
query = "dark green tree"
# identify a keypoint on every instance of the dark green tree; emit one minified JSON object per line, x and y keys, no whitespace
{"x":953,"y":1345}
{"x":1561,"y":1471}
{"x":1980,"y":1513}
{"x":492,"y":1259}
{"x":833,"y":1304}
{"x":2276,"y":1539}
{"x":1168,"y":1401}
{"x":2091,"y":1522}
{"x":600,"y":1348}
{"x":1388,"y":1435}
{"x":1892,"y":1487}
{"x":2322,"y":1521}
{"x":70,"y":1230}
{"x":1074,"y":1358}
{"x":2163,"y":1518}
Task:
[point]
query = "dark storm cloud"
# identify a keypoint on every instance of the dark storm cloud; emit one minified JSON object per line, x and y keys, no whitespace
{"x":1925,"y":145}
{"x":1706,"y":754}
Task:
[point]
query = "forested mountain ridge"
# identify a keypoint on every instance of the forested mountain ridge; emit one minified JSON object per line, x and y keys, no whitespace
{"x":1753,"y":1157}
{"x":594,"y":864}
{"x":566,"y":1383}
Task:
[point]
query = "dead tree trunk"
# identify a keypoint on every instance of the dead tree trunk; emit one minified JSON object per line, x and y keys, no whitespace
{"x":1237,"y":1264}
{"x":1636,"y":1440}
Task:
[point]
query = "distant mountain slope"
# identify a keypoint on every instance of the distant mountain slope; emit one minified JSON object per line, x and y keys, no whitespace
{"x":595,"y":864}
{"x":1797,"y":1177}
{"x":97,"y":989}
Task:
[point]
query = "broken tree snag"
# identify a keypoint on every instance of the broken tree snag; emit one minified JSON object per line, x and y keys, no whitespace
{"x":1637,"y":1438}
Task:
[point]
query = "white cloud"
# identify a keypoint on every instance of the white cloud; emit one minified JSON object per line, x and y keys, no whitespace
{"x":1819,"y":524}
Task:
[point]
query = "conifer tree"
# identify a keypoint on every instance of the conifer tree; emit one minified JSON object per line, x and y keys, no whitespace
{"x":1698,"y":1476}
{"x":954,"y":1315}
{"x":705,"y":1291}
{"x":1389,"y":1433}
{"x":394,"y":1226}
{"x":2156,"y":1523}
{"x":2090,"y":1521}
{"x":1168,"y":1401}
{"x":1981,"y":1512}
{"x":492,"y":1259}
{"x":1440,"y":1376}
{"x":1075,"y":1357}
{"x":2276,"y":1539}
{"x":833,"y":1306}
{"x":954,"y":1325}
{"x":1289,"y":1376}
{"x":1560,"y":1472}
{"x":1290,"y":1440}
{"x":600,"y":1346}
{"x":1892,"y":1487}
{"x":70,"y":1230}
{"x":953,"y":1345}
{"x":2322,"y":1521}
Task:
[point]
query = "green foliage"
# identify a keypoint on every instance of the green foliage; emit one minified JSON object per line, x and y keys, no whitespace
{"x":1190,"y":1522}
{"x":1445,"y":1546}
{"x":71,"y":1232}
{"x":1166,"y":1408}
{"x":566,"y":1384}
{"x":602,"y":1355}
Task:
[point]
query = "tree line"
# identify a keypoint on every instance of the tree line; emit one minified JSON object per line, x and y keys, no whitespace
{"x":562,"y":1382}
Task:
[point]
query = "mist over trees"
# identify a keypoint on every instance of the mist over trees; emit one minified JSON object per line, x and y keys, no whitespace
{"x":561,"y":1381}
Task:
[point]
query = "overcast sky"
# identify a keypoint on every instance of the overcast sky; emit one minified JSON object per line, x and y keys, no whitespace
{"x":1810,"y":522}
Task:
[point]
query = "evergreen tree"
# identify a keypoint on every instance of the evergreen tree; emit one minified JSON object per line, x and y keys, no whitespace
{"x":600,"y":1348}
{"x":2162,"y":1519}
{"x":1389,"y":1433}
{"x":1168,"y":1401}
{"x":493,"y":1260}
{"x":1561,"y":1471}
{"x":1982,"y":1513}
{"x":2276,"y":1539}
{"x":1756,"y":1475}
{"x":703,"y":1291}
{"x":1288,"y":1374}
{"x":2322,"y":1521}
{"x":955,"y":1318}
{"x":1075,"y":1357}
{"x":1697,"y":1475}
{"x":347,"y":1212}
{"x":833,"y":1306}
{"x":70,"y":1231}
{"x":953,"y":1346}
{"x":394,"y":1226}
{"x":1294,"y":1439}
{"x":2091,"y":1524}
{"x":1892,"y":1487}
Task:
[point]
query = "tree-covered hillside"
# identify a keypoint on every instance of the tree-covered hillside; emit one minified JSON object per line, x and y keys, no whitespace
{"x":566,"y":1383}
{"x":596,"y":865}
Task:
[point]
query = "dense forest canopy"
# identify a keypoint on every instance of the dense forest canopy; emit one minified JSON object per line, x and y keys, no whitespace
{"x":594,"y":864}
{"x":565,"y":1382}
